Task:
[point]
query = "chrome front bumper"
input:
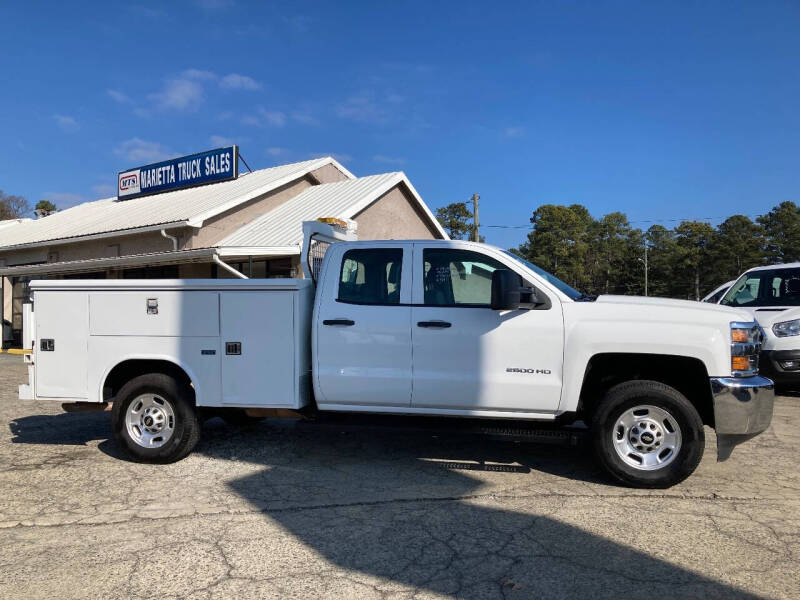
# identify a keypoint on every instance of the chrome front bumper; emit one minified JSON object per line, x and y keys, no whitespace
{"x":742,"y":410}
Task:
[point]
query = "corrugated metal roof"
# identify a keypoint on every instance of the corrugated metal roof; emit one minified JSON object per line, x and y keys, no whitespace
{"x":190,"y":205}
{"x":10,"y":222}
{"x":283,"y":226}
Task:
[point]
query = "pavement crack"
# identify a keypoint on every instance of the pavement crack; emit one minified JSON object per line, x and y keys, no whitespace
{"x":14,"y":524}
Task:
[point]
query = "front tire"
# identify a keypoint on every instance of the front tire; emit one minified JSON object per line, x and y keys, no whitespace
{"x":154,"y":419}
{"x":647,"y":434}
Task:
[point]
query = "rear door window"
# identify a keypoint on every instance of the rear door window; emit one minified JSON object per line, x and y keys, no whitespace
{"x":371,"y":276}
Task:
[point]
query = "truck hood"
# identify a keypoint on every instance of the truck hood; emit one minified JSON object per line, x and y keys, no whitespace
{"x":636,"y":325}
{"x":735,"y":314}
{"x":766,"y":313}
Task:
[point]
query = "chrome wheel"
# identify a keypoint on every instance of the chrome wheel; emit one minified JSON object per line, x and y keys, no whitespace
{"x":150,"y":421}
{"x":647,"y":437}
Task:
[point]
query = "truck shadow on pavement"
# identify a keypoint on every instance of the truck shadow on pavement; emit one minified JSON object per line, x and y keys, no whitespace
{"x":391,"y":507}
{"x":407,"y":512}
{"x":62,"y":429}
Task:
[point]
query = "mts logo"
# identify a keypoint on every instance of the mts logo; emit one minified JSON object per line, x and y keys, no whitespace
{"x":128,"y":181}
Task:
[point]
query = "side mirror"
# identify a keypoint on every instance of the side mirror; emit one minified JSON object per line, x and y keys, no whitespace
{"x":506,"y":290}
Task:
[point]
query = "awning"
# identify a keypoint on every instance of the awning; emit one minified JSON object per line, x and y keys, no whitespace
{"x":147,"y":260}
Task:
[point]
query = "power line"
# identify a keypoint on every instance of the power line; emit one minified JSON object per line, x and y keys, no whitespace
{"x":530,"y":225}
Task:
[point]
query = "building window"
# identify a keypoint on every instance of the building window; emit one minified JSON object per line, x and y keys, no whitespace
{"x":279,"y":268}
{"x":163,"y":272}
{"x":95,"y":275}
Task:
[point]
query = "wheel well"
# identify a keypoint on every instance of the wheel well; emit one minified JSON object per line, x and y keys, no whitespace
{"x":687,"y":375}
{"x":128,"y":369}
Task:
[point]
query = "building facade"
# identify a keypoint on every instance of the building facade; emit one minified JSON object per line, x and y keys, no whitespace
{"x":252,"y":224}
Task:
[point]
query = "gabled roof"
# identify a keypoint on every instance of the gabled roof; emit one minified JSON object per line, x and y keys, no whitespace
{"x":283,"y":226}
{"x":182,"y":207}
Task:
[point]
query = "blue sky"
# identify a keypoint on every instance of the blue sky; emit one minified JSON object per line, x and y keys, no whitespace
{"x":660,"y":110}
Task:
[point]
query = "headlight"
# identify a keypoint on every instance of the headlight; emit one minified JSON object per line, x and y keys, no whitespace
{"x":745,"y":347}
{"x":786,"y":328}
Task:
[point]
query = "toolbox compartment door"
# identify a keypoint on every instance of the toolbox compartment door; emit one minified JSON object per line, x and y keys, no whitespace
{"x":257,"y":343}
{"x":155,"y":313}
{"x":62,"y":325}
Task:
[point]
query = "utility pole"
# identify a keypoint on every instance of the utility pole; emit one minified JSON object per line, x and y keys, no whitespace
{"x":475,"y":222}
{"x":645,"y":267}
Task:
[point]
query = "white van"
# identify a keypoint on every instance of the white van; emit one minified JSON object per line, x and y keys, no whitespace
{"x":772,"y":295}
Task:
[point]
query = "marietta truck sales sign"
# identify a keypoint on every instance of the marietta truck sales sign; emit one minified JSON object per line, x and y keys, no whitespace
{"x":178,"y":173}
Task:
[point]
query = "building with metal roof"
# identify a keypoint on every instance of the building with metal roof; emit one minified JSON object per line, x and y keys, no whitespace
{"x":181,"y":208}
{"x":250,"y":225}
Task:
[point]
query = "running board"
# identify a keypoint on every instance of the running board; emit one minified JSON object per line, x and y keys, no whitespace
{"x":562,"y":436}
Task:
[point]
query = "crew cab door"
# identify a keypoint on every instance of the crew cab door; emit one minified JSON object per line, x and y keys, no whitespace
{"x":362,"y":339}
{"x":469,"y":357}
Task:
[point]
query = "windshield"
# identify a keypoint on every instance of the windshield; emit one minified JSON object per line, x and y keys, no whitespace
{"x":552,"y":279}
{"x":715,"y":297}
{"x":768,"y":287}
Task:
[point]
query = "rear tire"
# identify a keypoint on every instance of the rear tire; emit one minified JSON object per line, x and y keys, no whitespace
{"x":647,"y":434}
{"x":154,"y":419}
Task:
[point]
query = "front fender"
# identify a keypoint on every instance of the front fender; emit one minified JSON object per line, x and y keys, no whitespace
{"x":586,"y":338}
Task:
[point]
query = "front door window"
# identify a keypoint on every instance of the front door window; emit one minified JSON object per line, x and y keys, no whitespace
{"x":458,"y":277}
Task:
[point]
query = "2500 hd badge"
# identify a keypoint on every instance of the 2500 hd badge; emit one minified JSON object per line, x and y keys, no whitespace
{"x":532,"y":371}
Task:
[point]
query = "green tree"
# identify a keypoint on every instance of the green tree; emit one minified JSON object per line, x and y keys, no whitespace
{"x":662,"y":254}
{"x":44,"y":208}
{"x":606,"y":255}
{"x":782,"y":229}
{"x":631,"y":272}
{"x":737,"y":245}
{"x":693,"y":265}
{"x":456,"y":220}
{"x":610,"y":240}
{"x":13,"y":207}
{"x":560,"y":242}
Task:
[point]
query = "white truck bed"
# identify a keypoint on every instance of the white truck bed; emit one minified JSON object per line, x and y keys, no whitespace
{"x":94,"y":325}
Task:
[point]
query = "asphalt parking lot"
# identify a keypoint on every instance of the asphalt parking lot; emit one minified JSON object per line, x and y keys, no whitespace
{"x":272,"y":511}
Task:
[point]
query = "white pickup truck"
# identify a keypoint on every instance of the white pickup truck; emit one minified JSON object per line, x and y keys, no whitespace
{"x":444,"y":328}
